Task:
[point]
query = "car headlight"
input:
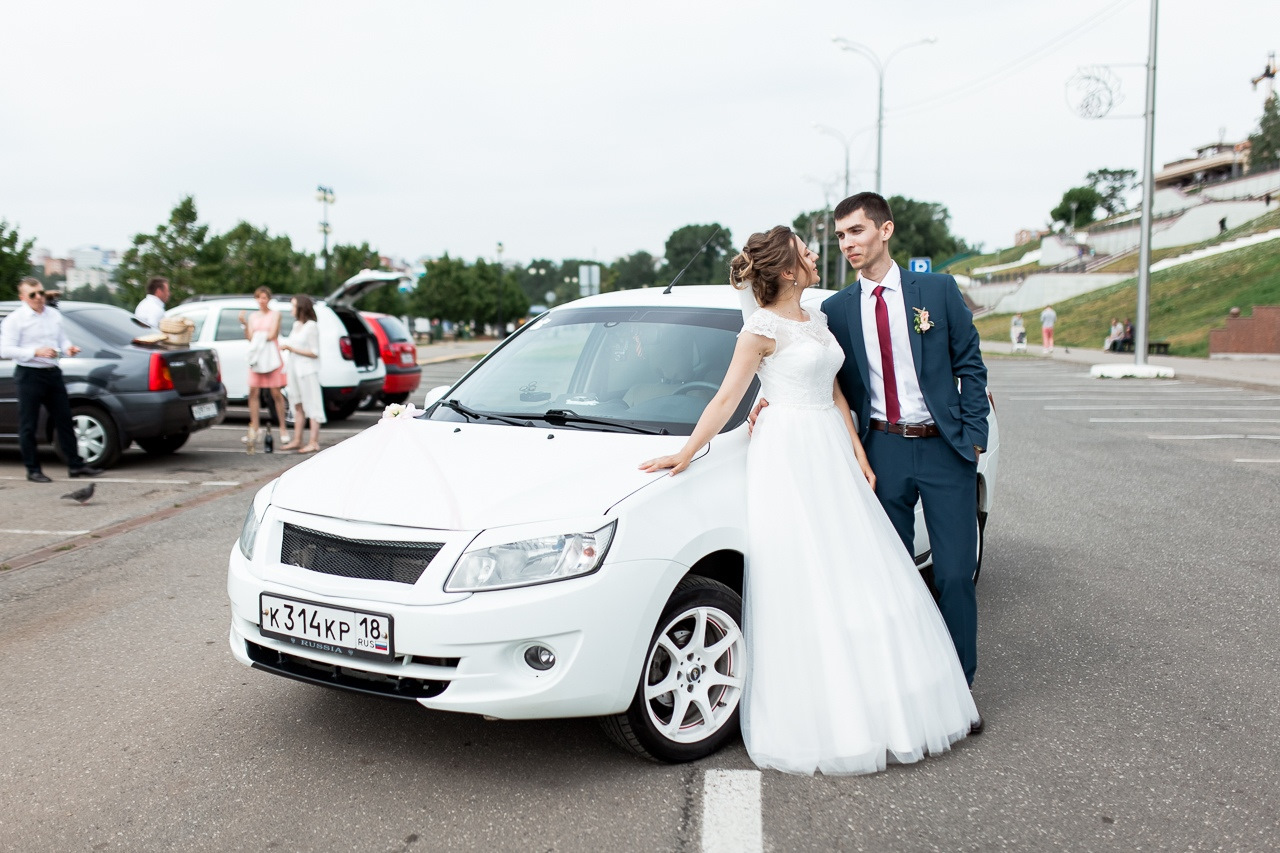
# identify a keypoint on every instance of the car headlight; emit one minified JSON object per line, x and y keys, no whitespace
{"x":253,"y":518}
{"x":530,"y":561}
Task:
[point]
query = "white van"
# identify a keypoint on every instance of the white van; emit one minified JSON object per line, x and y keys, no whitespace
{"x":351,"y":367}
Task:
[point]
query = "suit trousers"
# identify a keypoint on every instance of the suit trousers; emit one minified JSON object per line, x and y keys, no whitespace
{"x":947,"y":485}
{"x":43,"y":386}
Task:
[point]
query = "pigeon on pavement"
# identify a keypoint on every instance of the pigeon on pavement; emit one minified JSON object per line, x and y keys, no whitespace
{"x":81,"y":496}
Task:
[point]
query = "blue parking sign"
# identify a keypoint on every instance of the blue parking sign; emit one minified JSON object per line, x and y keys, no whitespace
{"x":920,"y":264}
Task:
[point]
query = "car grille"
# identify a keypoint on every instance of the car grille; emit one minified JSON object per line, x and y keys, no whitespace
{"x":366,"y":559}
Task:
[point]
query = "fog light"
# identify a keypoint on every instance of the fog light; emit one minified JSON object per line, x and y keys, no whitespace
{"x":540,"y":658}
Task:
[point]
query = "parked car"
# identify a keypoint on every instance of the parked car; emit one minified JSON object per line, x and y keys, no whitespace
{"x":121,"y":392}
{"x":399,"y":356}
{"x":351,"y":368}
{"x":503,"y":555}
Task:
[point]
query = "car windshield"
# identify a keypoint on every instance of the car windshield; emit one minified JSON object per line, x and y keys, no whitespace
{"x":112,"y":326}
{"x":633,"y":369}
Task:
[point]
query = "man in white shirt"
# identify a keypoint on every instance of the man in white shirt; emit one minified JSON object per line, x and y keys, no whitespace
{"x":33,"y":337}
{"x":151,"y":309}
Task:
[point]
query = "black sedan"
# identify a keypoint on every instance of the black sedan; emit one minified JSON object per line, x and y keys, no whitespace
{"x":122,"y":392}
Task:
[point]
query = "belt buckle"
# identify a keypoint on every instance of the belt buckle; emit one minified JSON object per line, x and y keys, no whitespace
{"x":906,"y":431}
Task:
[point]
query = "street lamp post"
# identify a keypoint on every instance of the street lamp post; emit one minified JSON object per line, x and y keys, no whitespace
{"x":846,"y":141}
{"x":501,"y":329}
{"x":862,"y":49}
{"x":325,"y":196}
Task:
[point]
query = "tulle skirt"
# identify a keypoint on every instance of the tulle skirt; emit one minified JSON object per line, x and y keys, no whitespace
{"x":851,"y":664}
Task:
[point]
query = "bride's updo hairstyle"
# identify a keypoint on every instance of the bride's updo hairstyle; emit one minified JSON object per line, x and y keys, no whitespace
{"x":762,"y":262}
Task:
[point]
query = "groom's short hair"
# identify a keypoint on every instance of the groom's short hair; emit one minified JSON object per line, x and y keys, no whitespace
{"x":872,"y":204}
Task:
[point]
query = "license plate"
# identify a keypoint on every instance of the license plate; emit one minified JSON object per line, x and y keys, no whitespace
{"x":406,"y":358}
{"x":326,"y":629}
{"x":204,"y":411}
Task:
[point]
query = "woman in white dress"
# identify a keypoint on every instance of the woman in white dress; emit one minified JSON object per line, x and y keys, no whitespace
{"x":303,"y":370}
{"x":851,"y":664}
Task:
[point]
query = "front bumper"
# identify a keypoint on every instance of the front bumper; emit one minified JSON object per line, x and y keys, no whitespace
{"x":467,"y":655}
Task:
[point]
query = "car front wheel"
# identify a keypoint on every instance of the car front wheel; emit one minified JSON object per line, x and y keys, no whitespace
{"x":686,"y":705}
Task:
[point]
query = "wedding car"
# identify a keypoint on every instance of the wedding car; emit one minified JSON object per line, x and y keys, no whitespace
{"x":501,"y":554}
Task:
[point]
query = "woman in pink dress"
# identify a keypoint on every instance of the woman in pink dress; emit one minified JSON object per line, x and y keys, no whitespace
{"x":266,"y":366}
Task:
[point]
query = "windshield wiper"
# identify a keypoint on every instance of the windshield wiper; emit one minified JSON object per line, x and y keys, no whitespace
{"x":567,"y":416}
{"x":472,"y":414}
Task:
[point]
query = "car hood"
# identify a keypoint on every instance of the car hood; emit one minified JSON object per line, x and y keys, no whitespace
{"x":451,"y":476}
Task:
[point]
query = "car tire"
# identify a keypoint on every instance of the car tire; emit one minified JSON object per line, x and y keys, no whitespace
{"x":342,"y":411}
{"x":163,"y":445}
{"x":694,"y":670}
{"x":392,"y":399}
{"x":97,"y":438}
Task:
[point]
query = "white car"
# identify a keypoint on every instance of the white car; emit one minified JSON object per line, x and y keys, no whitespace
{"x":502,"y":555}
{"x":351,"y":367}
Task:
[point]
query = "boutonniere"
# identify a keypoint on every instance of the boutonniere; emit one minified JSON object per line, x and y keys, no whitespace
{"x":923,"y":323}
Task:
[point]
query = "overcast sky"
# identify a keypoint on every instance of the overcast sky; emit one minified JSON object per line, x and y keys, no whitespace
{"x":584,"y":128}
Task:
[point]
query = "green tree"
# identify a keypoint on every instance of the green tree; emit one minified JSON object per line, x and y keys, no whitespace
{"x":1114,"y":185}
{"x":346,"y":260}
{"x":98,"y":293}
{"x":1264,"y":150}
{"x":1078,"y":208}
{"x":445,"y":292}
{"x":246,"y":258}
{"x":684,"y":246}
{"x":632,"y":271}
{"x":15,"y":258}
{"x":536,"y":279}
{"x":175,"y":251}
{"x":922,"y":229}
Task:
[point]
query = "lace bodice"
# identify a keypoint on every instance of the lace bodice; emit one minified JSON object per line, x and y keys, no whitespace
{"x":803,"y":366}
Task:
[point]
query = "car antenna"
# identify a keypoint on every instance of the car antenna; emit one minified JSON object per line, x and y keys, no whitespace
{"x":691,"y":260}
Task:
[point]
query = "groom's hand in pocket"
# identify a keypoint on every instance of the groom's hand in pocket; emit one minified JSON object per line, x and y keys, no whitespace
{"x":755,"y":413}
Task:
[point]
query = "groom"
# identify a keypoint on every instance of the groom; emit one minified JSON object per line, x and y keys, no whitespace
{"x":907,"y":338}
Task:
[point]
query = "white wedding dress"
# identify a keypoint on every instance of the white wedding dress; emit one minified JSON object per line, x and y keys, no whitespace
{"x":851,"y":665}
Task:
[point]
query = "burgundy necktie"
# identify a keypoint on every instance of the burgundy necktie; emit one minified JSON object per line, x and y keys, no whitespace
{"x":892,"y":412}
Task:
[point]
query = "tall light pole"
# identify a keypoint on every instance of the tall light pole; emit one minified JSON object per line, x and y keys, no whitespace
{"x":880,"y":66}
{"x":502,"y":331}
{"x":1148,"y":190}
{"x":846,"y":141}
{"x":325,"y":196}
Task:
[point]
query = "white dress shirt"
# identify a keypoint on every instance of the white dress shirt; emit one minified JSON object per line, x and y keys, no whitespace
{"x":150,"y":310}
{"x":25,"y":331}
{"x":910,"y":398}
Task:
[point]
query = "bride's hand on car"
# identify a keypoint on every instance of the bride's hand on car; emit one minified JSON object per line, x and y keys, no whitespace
{"x":677,"y":463}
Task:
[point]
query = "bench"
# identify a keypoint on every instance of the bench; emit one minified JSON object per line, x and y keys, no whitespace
{"x":1153,"y":347}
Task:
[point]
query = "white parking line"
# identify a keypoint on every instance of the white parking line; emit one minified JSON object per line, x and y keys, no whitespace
{"x":731,"y":820}
{"x":1212,"y":437}
{"x":1257,"y":461}
{"x":153,"y":482}
{"x":1179,"y":408}
{"x":44,"y":532}
{"x":1184,"y":421}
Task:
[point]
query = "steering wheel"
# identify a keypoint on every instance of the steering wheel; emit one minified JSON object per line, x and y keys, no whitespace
{"x":693,"y":386}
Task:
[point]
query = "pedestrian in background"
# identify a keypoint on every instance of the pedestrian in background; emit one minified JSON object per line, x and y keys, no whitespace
{"x":266,"y":366}
{"x":1048,"y":318}
{"x":151,"y":309}
{"x":33,"y":337}
{"x":303,"y":371}
{"x":1018,"y":333}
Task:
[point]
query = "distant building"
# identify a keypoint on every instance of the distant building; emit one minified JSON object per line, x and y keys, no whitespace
{"x":77,"y":278}
{"x":94,"y":258}
{"x":1220,"y":161}
{"x":57,"y":266}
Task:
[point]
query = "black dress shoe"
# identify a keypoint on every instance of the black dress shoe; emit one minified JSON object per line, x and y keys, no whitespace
{"x":85,"y":471}
{"x":976,"y":728}
{"x":38,"y":477}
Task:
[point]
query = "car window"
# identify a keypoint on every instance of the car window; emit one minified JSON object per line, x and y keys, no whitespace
{"x":656,"y":368}
{"x":195,"y":315}
{"x":286,"y":322}
{"x":112,"y":326}
{"x":396,"y":332}
{"x":229,"y":328}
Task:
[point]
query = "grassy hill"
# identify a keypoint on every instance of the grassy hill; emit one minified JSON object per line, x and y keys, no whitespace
{"x":1004,"y":256}
{"x":1185,"y":302}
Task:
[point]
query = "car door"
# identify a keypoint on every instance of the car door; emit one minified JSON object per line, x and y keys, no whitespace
{"x":233,"y":350}
{"x":8,"y":394}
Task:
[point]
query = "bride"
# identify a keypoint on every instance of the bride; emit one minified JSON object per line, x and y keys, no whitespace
{"x":851,"y":665}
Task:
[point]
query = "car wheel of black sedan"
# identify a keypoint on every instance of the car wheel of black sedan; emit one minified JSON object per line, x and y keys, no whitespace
{"x":97,"y":439}
{"x":163,"y":445}
{"x":686,"y":705}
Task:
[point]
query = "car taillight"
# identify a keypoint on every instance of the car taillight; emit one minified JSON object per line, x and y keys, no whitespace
{"x":158,"y":377}
{"x":344,"y":346}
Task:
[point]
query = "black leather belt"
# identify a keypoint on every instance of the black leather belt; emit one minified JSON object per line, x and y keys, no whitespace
{"x":907,"y":430}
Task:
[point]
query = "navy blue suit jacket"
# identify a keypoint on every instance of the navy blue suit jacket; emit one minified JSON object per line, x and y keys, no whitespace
{"x":946,"y":352}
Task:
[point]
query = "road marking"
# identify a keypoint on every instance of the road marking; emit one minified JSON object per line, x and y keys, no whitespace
{"x":1184,"y":421}
{"x":44,"y":532}
{"x":1257,"y":461}
{"x":152,"y":482}
{"x":1226,"y":436}
{"x":1181,"y":408}
{"x":731,"y":819}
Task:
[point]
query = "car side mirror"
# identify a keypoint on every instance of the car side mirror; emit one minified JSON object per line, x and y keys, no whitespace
{"x":434,"y":395}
